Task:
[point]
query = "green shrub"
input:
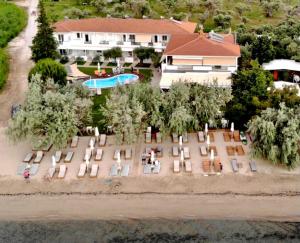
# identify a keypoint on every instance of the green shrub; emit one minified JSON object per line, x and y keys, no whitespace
{"x":64,"y":59}
{"x":80,"y":61}
{"x":3,"y":67}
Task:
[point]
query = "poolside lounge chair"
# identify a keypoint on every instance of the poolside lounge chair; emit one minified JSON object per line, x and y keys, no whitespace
{"x":92,"y":141}
{"x":128,"y":153}
{"x":203,"y":150}
{"x":201,"y":138}
{"x":239,"y":150}
{"x":62,"y":171}
{"x":218,"y":165}
{"x":28,"y":157}
{"x":33,"y":169}
{"x":230,"y":150}
{"x":236,"y":136}
{"x":117,"y":151}
{"x":252,"y":165}
{"x":94,"y":170}
{"x":57,"y":156}
{"x":226,"y":136}
{"x":175,"y":151}
{"x":185,"y":137}
{"x":206,"y":166}
{"x":234,"y":165}
{"x":69,"y":157}
{"x":82,"y":170}
{"x":148,"y":137}
{"x":88,"y":154}
{"x":74,"y":142}
{"x":186,"y":152}
{"x":125,"y":170}
{"x":159,"y":151}
{"x":175,"y":137}
{"x":39,"y":157}
{"x":102,"y":141}
{"x":99,"y":154}
{"x":188,"y":166}
{"x":176,"y":166}
{"x":158,"y":137}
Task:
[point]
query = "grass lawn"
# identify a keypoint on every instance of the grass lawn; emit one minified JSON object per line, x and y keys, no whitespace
{"x":91,"y":70}
{"x":145,"y":73}
{"x":99,"y":101}
{"x":127,"y":64}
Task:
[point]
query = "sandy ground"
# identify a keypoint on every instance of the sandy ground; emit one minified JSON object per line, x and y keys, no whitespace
{"x":20,"y":64}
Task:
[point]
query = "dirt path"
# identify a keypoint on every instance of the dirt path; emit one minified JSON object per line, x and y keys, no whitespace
{"x":20,"y":64}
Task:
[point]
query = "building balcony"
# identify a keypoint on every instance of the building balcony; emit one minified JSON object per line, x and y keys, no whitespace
{"x":88,"y":42}
{"x":167,"y":68}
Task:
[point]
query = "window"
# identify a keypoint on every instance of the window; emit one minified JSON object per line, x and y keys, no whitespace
{"x":99,"y":52}
{"x":78,"y":35}
{"x":218,"y":67}
{"x":132,"y":37}
{"x":124,"y":37}
{"x":155,"y":38}
{"x":130,"y":53}
{"x":63,"y":52}
{"x":164,"y":38}
{"x":61,"y":38}
{"x":86,"y":38}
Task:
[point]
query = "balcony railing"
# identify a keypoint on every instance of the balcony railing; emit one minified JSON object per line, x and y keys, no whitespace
{"x":150,"y":43}
{"x":120,"y":43}
{"x":88,"y":42}
{"x":135,"y":43}
{"x":104,"y":42}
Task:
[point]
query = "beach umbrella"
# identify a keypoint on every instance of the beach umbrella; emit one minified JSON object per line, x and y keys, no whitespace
{"x":92,"y":145}
{"x":118,"y":63}
{"x":119,"y":167}
{"x":207,"y":141}
{"x":98,"y":66}
{"x":152,"y":156}
{"x":206,"y":128}
{"x":232,"y":127}
{"x":212,"y":155}
{"x":182,"y":156}
{"x":97,"y":133}
{"x":180,"y":142}
{"x":87,"y":162}
{"x":53,"y":161}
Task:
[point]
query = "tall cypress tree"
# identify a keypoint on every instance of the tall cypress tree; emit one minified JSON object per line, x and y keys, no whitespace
{"x":43,"y":45}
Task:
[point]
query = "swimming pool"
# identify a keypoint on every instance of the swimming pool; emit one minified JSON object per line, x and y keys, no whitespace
{"x":111,"y":82}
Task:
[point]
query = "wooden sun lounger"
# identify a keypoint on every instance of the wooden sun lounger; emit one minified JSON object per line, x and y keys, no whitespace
{"x":186,"y":152}
{"x":158,"y":137}
{"x":239,"y":150}
{"x":203,"y":150}
{"x":57,"y":156}
{"x":176,"y":166}
{"x":175,"y":137}
{"x":234,"y":165}
{"x":148,"y":137}
{"x":188,"y":166}
{"x":206,"y":166}
{"x":159,"y":151}
{"x":201,"y":138}
{"x":252,"y":165}
{"x":211,"y":136}
{"x":116,"y":153}
{"x":230,"y":150}
{"x":88,"y":154}
{"x":226,"y":136}
{"x":236,"y":136}
{"x":94,"y":170}
{"x":39,"y":157}
{"x":128,"y":153}
{"x":185,"y":138}
{"x":214,"y":148}
{"x":99,"y":154}
{"x":93,"y":141}
{"x":69,"y":157}
{"x":62,"y":171}
{"x":28,"y":157}
{"x":217,"y":165}
{"x":102,"y":141}
{"x":74,"y":142}
{"x":82,"y":170}
{"x":175,"y":151}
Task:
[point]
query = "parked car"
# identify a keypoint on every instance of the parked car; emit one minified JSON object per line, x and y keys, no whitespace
{"x":243,"y":138}
{"x":14,"y":110}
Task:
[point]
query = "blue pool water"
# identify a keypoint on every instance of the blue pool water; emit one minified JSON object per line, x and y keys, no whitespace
{"x":110,"y":82}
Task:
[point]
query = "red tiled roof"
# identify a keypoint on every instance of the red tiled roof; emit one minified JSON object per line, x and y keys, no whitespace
{"x":115,"y":25}
{"x":201,"y":45}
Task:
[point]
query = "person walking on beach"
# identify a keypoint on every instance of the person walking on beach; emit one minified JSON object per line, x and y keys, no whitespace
{"x":26,"y":175}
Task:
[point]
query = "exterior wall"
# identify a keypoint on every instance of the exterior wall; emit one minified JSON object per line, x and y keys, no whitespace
{"x":187,"y":62}
{"x":228,"y":61}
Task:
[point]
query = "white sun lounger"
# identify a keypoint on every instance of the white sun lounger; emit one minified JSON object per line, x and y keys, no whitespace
{"x":21,"y":168}
{"x":94,"y":170}
{"x":156,"y":169}
{"x":252,"y":165}
{"x":114,"y":170}
{"x":203,"y":150}
{"x":201,"y":138}
{"x":175,"y":137}
{"x":51,"y":172}
{"x":28,"y":157}
{"x":128,"y":153}
{"x":125,"y":170}
{"x":99,"y":154}
{"x":185,"y":137}
{"x":74,"y":142}
{"x":186,"y":152}
{"x":117,"y":151}
{"x":147,"y":169}
{"x":88,"y":154}
{"x":176,"y":166}
{"x":39,"y":157}
{"x":69,"y":157}
{"x":175,"y":151}
{"x":102,"y":141}
{"x":234,"y":166}
{"x":33,"y":169}
{"x":62,"y":171}
{"x":148,"y":137}
{"x":158,"y":137}
{"x":188,"y":166}
{"x":58,"y":155}
{"x":93,"y":141}
{"x":82,"y":170}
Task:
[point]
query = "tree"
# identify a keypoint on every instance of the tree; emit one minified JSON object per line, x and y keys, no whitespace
{"x":139,"y":8}
{"x":143,"y":53}
{"x":49,"y":68}
{"x":43,"y":44}
{"x":49,"y":116}
{"x":113,"y":53}
{"x":276,"y":135}
{"x":288,"y":95}
{"x":270,"y":7}
{"x":263,"y":49}
{"x":223,"y":21}
{"x":76,"y":13}
{"x":99,"y":4}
